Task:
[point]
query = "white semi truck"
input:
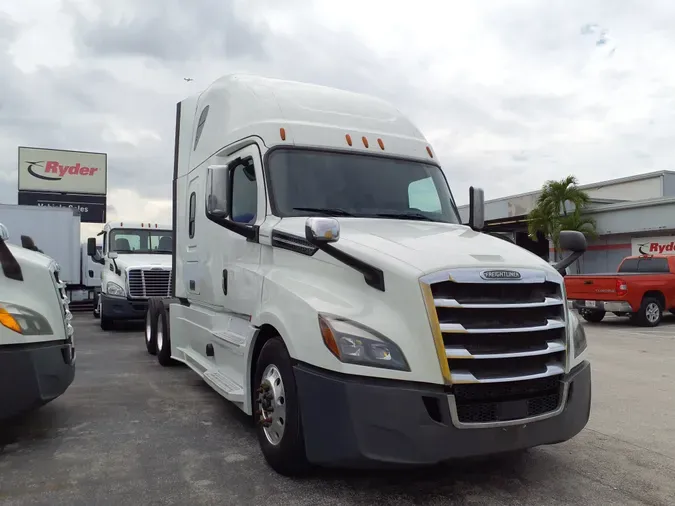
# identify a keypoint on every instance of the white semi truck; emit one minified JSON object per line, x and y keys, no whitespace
{"x":324,"y":284}
{"x":136,"y":261}
{"x":37,"y":353}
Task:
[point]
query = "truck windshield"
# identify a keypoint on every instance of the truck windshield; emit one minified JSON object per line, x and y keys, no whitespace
{"x":307,"y":182}
{"x":141,"y":241}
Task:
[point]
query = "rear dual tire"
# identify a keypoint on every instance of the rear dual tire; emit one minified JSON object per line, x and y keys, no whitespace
{"x":157,"y":332}
{"x":151,"y":316}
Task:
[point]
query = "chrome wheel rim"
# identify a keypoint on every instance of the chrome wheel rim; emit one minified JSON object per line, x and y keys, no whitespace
{"x":272,"y":405}
{"x":148,"y":327}
{"x":160,"y":334}
{"x":653,"y":312}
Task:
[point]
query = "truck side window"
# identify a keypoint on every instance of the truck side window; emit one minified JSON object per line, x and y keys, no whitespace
{"x":244,"y":193}
{"x":191,"y":215}
{"x":216,"y":192}
{"x":423,"y":195}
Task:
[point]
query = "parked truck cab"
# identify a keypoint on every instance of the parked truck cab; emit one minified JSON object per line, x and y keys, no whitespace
{"x":136,"y":265}
{"x":37,"y":354}
{"x":325,"y":285}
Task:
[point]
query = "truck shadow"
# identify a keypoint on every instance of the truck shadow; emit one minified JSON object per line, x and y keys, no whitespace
{"x":455,"y":480}
{"x":668,"y":320}
{"x":40,"y":424}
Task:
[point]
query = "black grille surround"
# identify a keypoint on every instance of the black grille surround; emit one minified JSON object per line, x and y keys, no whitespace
{"x":505,"y":343}
{"x":146,"y":282}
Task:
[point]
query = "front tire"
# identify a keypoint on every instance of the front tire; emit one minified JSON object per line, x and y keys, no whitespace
{"x":107,"y":323}
{"x":276,"y":411}
{"x":97,"y":306}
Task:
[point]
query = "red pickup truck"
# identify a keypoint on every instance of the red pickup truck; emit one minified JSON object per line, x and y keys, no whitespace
{"x":643,"y":288}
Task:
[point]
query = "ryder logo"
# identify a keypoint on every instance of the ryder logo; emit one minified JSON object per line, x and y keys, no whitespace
{"x":656,"y":248}
{"x":54,"y":171}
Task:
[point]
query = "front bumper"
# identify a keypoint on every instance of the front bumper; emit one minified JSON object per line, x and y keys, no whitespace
{"x":609,"y":306}
{"x":359,"y":422}
{"x":122,"y":308}
{"x":32,"y":375}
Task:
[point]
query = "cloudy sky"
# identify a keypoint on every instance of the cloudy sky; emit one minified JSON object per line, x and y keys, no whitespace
{"x":510,"y":92}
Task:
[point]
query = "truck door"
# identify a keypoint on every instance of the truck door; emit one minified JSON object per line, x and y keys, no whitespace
{"x":232,"y":260}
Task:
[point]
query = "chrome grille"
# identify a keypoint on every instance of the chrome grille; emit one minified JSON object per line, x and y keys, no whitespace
{"x":504,"y":341}
{"x":64,"y":302}
{"x":151,"y":282}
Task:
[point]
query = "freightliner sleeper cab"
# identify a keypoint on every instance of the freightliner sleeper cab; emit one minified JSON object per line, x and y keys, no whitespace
{"x":323,"y":283}
{"x":37,"y":353}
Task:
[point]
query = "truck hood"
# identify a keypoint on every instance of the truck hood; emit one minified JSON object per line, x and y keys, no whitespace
{"x":27,"y":257}
{"x":139,"y":260}
{"x":426,"y":246}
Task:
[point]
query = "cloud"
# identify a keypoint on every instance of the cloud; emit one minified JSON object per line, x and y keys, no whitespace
{"x":509,"y":95}
{"x":166,"y":30}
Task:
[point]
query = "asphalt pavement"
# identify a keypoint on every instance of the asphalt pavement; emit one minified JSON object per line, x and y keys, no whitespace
{"x":129,"y":432}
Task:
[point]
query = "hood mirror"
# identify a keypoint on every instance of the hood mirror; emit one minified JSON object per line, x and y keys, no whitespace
{"x":322,"y":230}
{"x":574,"y":241}
{"x":113,"y":255}
{"x":4,"y":233}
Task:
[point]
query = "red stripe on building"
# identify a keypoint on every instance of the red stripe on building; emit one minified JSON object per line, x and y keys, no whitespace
{"x":606,"y":247}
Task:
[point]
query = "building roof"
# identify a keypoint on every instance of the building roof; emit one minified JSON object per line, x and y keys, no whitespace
{"x":630,"y":204}
{"x":592,"y":186}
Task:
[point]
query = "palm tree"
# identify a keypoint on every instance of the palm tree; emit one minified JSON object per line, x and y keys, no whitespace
{"x":556,"y":194}
{"x":579,"y":222}
{"x":550,"y":215}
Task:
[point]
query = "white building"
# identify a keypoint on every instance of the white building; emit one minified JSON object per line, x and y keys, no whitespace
{"x":630,"y":212}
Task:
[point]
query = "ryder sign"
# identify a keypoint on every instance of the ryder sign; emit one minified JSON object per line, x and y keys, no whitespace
{"x":664,"y":245}
{"x":60,"y":171}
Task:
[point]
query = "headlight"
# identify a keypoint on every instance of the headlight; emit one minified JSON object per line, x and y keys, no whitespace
{"x":23,"y":320}
{"x":114,"y":289}
{"x":354,"y":343}
{"x":578,"y":334}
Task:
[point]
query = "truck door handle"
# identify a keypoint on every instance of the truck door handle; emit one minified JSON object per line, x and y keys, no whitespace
{"x":192,"y":285}
{"x":225,"y":281}
{"x":91,"y":273}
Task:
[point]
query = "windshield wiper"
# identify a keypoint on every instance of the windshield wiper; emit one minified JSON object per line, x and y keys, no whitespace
{"x":403,"y":216}
{"x":328,"y":211}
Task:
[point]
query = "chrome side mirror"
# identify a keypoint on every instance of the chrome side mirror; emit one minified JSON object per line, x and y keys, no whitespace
{"x":322,"y":230}
{"x":4,"y":233}
{"x":113,"y":255}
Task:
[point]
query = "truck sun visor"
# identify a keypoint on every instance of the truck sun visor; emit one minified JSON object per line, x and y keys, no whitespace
{"x":10,"y":267}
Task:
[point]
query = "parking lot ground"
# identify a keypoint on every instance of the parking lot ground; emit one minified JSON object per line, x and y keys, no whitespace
{"x":129,"y":432}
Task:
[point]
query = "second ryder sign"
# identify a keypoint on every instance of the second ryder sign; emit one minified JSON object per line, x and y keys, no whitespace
{"x":54,"y":170}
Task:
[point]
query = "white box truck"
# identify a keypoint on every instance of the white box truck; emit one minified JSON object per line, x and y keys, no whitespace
{"x":55,"y":231}
{"x":37,"y":353}
{"x":135,"y":260}
{"x":324,"y":284}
